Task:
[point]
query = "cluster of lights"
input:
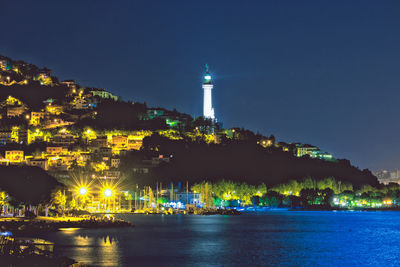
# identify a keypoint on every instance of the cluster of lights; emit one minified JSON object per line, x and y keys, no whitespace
{"x":361,"y":203}
{"x":106,"y":191}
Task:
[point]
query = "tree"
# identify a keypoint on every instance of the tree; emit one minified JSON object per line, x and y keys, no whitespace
{"x":59,"y":200}
{"x":271,"y":199}
{"x":29,"y":185}
{"x":3,"y":201}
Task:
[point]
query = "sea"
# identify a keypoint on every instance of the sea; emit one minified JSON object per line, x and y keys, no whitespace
{"x":269,"y":238}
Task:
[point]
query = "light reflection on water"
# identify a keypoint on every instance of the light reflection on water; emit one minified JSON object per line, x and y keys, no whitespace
{"x":271,"y":238}
{"x":90,"y":248}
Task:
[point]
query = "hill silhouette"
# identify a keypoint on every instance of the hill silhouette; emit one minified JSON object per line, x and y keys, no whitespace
{"x":242,"y":161}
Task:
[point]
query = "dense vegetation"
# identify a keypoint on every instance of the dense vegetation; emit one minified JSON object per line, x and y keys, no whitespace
{"x":307,"y":193}
{"x":243,"y":161}
{"x":33,"y":94}
{"x":27,"y":185}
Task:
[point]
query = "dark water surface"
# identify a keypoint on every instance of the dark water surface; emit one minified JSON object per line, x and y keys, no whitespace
{"x":274,"y":238}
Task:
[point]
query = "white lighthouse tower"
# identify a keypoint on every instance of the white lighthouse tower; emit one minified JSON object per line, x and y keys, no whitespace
{"x":208,"y":110}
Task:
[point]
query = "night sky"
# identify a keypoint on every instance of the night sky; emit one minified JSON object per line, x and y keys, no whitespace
{"x":319,"y":72}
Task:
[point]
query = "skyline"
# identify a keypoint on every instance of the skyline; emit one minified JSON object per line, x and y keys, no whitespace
{"x":283,"y":69}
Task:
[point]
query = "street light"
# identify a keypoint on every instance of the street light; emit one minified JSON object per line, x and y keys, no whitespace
{"x":108,"y":192}
{"x":83,"y":191}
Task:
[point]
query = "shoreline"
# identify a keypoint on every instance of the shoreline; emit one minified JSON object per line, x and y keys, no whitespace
{"x":346,"y":209}
{"x":22,"y":226}
{"x":18,"y":251}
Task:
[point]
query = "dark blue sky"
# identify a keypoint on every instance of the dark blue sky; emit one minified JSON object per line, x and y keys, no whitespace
{"x":319,"y":72}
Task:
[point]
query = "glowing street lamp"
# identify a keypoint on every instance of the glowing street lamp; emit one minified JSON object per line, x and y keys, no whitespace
{"x":83,"y":191}
{"x":108,"y":192}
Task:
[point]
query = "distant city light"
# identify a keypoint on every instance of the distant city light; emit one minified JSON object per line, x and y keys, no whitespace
{"x":6,"y":233}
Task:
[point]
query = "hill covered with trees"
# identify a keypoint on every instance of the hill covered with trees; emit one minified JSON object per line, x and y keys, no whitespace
{"x":239,"y":161}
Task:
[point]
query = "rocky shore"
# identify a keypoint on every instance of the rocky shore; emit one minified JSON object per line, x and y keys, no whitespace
{"x":35,"y":260}
{"x":30,"y":252}
{"x":29,"y":226}
{"x":205,"y":211}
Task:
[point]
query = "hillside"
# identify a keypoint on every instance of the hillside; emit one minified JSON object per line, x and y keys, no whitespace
{"x":39,"y":111}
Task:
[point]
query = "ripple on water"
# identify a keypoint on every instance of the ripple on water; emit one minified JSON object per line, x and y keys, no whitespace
{"x":282,"y":238}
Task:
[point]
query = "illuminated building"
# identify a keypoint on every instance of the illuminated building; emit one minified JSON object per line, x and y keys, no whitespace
{"x":22,"y":136}
{"x":120,"y":141}
{"x":115,"y":162}
{"x":67,"y":159}
{"x":80,"y":103}
{"x":113,"y":175}
{"x":188,"y":198}
{"x":4,"y":162}
{"x":5,"y":137}
{"x":153,"y":113}
{"x":313,"y":152}
{"x":69,"y":83}
{"x":42,"y":163}
{"x":265,"y":142}
{"x":63,"y":139}
{"x":11,"y":101}
{"x":54,"y":109}
{"x":36,"y":118}
{"x":322,"y":155}
{"x":100,"y":141}
{"x":15,"y":111}
{"x":387,"y":177}
{"x":208,"y":110}
{"x":56,"y":150}
{"x":134,"y":144}
{"x":306,"y":150}
{"x":85,"y":156}
{"x":44,"y":77}
{"x":15,"y":155}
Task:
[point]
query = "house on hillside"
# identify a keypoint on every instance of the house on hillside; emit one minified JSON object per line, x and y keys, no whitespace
{"x":41,"y":163}
{"x":36,"y":118}
{"x":306,"y":150}
{"x":15,"y":111}
{"x":100,"y":141}
{"x":14,"y":156}
{"x":63,"y":139}
{"x":119,"y":141}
